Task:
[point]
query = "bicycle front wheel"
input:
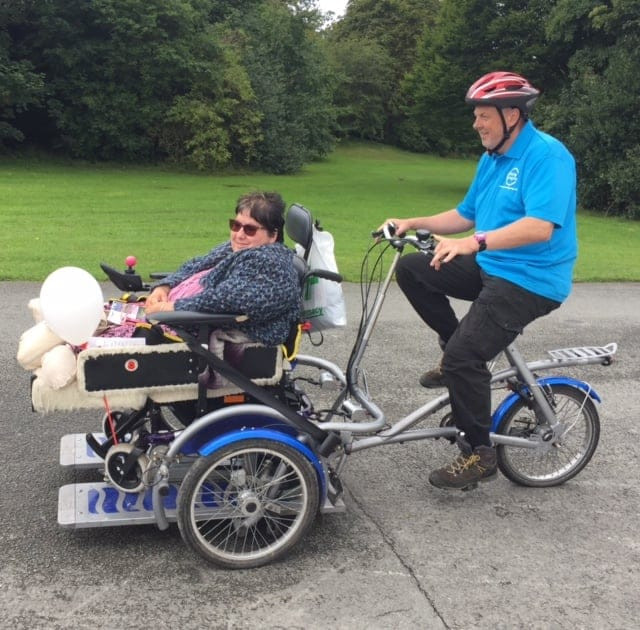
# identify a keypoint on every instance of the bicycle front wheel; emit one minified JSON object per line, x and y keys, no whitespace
{"x":248,"y":503}
{"x":550,"y":463}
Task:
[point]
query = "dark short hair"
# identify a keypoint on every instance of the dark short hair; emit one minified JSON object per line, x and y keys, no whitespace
{"x":267,"y":208}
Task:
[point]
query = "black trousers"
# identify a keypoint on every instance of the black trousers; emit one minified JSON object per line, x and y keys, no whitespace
{"x":498,"y":313}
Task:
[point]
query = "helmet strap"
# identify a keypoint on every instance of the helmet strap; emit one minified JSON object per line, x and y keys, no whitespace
{"x":506,"y":131}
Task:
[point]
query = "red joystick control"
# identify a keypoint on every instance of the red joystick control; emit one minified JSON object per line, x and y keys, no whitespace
{"x":131,"y":262}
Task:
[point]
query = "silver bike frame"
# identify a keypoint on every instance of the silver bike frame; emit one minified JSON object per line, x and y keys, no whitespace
{"x":358,"y":435}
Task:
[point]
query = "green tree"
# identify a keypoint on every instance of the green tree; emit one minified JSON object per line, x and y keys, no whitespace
{"x":470,"y":38}
{"x":286,"y":63}
{"x":112,"y":67}
{"x":364,"y":85}
{"x":455,"y":52}
{"x":395,"y":25}
{"x":519,"y":40}
{"x":217,"y":123}
{"x":140,"y":79}
{"x":381,"y":32}
{"x":597,"y":111}
{"x":20,"y":86}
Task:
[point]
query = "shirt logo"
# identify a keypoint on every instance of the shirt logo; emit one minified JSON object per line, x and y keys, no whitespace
{"x":511,"y":180}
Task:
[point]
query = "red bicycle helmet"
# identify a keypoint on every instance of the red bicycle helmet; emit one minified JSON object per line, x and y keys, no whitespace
{"x":503,"y":89}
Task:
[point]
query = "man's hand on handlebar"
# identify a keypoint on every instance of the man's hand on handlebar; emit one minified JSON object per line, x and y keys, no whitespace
{"x":448,"y":248}
{"x":402,"y":226}
{"x":394,"y":232}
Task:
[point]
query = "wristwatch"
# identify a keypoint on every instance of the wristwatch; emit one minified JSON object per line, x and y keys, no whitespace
{"x":481,"y":239}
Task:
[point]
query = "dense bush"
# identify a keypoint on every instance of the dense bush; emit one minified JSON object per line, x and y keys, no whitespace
{"x":210,"y":82}
{"x":597,"y":109}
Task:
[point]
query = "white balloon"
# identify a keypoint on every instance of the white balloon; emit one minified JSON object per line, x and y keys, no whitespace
{"x":72,"y":304}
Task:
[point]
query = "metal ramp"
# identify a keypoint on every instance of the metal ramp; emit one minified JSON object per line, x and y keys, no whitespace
{"x":98,"y":504}
{"x":76,"y":453}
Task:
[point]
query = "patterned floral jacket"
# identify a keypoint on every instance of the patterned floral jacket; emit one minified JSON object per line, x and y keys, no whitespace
{"x":260,"y":282}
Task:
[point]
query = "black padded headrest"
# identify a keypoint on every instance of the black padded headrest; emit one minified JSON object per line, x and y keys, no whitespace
{"x":299,"y":227}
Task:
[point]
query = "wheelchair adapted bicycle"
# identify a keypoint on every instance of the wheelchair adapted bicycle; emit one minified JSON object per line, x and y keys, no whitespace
{"x":245,"y":470}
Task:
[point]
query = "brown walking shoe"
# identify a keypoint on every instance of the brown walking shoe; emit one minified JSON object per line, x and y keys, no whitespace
{"x":467,"y":470}
{"x":433,"y":378}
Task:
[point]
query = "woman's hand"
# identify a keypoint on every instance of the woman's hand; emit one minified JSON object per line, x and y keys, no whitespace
{"x":158,"y":307}
{"x":158,"y":300}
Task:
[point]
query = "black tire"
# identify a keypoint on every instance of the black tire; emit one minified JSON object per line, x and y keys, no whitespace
{"x":248,"y":504}
{"x":119,"y":473}
{"x":552,"y":463}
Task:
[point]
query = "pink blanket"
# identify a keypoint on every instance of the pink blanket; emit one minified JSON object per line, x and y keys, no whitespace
{"x":187,"y":288}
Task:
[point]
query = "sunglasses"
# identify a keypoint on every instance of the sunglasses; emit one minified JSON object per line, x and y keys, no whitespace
{"x":249,"y":230}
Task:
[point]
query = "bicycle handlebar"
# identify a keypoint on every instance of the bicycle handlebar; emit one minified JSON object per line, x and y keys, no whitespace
{"x":423,"y":240}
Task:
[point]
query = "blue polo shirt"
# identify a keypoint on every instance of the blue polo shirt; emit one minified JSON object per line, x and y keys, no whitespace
{"x":536,"y":178}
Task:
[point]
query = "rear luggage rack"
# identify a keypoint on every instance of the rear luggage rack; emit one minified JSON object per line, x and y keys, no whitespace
{"x":585,"y":352}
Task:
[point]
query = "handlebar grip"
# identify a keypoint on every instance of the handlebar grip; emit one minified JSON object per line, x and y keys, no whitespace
{"x":388,"y":230}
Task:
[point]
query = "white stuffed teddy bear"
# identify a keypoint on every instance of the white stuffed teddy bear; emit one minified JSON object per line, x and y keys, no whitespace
{"x":58,"y":367}
{"x":42,"y":350}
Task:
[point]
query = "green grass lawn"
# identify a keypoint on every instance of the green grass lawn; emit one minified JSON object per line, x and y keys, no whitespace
{"x":54,"y":214}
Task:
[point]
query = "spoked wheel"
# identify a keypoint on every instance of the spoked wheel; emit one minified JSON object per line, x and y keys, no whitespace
{"x":555,"y":461}
{"x":248,"y":503}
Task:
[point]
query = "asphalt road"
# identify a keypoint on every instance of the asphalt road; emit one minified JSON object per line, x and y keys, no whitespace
{"x":404,"y":555}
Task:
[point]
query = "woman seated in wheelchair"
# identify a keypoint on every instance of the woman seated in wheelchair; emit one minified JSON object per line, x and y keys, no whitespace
{"x":251,"y":274}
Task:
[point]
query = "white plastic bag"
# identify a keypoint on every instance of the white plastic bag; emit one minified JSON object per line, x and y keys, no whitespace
{"x":322,"y":300}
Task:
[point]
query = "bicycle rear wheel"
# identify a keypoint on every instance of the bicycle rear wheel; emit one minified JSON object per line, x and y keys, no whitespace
{"x":551,"y":463}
